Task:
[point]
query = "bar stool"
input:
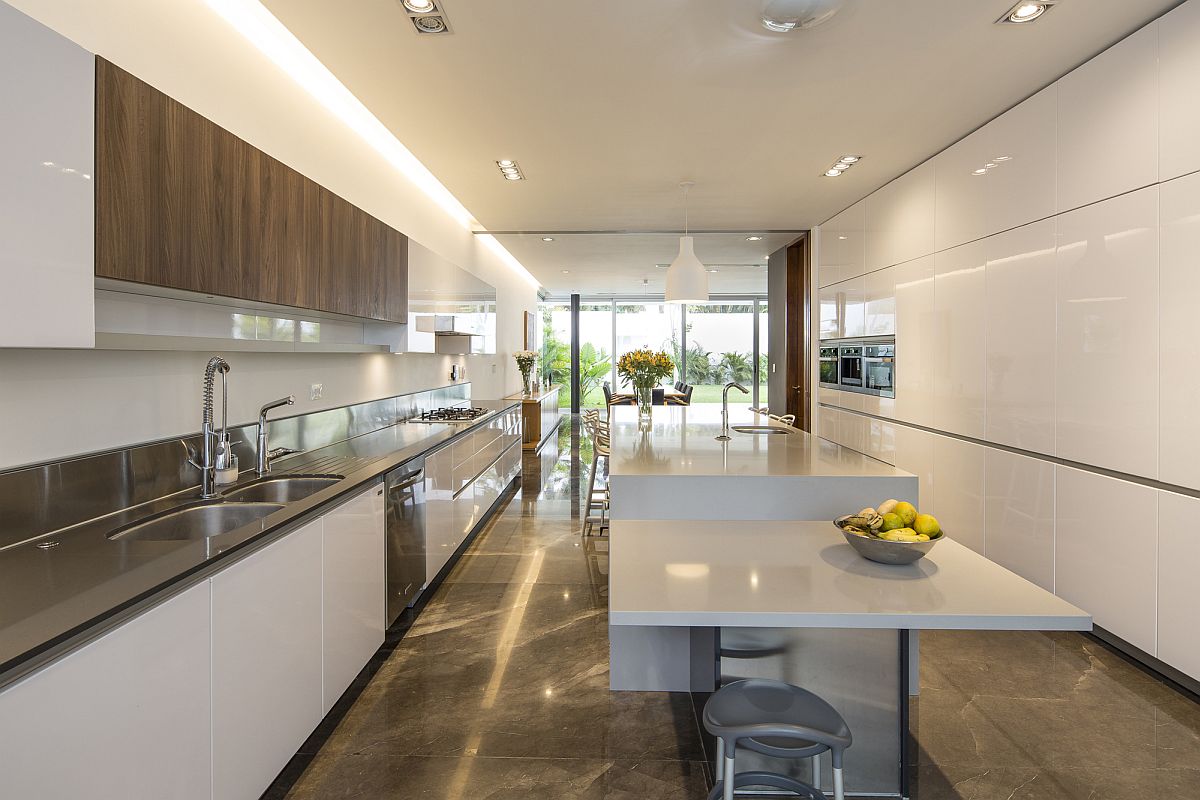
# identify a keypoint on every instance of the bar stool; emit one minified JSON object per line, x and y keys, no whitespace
{"x":596,"y":499}
{"x":775,"y":719}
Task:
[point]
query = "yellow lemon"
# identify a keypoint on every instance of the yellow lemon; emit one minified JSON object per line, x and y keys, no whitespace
{"x":892,"y":521}
{"x":907,"y":512}
{"x":927,"y":524}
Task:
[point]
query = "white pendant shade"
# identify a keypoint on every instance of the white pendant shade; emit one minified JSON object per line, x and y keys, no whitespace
{"x":687,"y":279}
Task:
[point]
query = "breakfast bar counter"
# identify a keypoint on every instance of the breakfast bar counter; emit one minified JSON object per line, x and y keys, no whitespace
{"x":539,"y":416}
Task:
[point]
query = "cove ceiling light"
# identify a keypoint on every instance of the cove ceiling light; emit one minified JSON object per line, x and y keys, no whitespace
{"x":687,"y":279}
{"x":252,"y":20}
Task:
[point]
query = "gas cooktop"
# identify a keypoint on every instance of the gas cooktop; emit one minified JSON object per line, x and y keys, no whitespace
{"x":454,"y":414}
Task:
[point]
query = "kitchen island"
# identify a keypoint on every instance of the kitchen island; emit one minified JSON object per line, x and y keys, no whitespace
{"x":539,"y":416}
{"x":761,"y":584}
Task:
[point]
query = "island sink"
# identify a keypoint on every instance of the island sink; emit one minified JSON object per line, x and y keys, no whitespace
{"x":282,"y":489}
{"x":769,"y":430}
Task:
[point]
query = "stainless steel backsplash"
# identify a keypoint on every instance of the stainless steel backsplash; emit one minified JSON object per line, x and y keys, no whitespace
{"x":38,"y":499}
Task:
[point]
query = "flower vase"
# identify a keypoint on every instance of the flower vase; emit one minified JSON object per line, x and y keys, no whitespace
{"x":528,"y":379}
{"x":645,"y":401}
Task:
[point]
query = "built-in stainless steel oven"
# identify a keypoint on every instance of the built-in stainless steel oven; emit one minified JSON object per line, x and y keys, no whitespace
{"x":829,"y":367}
{"x":879,"y":369}
{"x":850,"y":365}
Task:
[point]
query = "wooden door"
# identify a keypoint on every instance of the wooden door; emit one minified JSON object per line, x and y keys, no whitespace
{"x":799,"y":333}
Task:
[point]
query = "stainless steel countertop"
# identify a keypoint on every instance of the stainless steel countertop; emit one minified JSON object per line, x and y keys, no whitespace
{"x":53,"y":600}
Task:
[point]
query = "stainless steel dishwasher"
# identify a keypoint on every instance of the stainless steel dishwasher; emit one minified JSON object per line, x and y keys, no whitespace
{"x":405,"y":535}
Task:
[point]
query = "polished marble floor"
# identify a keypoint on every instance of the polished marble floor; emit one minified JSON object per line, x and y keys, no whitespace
{"x":499,"y":689}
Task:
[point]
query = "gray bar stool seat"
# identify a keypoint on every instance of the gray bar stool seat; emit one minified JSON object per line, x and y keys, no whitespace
{"x":775,"y":719}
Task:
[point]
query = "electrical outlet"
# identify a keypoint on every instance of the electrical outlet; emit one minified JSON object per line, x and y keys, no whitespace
{"x":315,"y":391}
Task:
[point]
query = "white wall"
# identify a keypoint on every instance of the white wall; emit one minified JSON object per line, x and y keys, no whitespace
{"x":58,"y":403}
{"x":1046,"y":304}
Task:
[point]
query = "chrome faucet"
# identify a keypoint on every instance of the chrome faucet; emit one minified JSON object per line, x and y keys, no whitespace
{"x":724,"y":437}
{"x":264,"y":455}
{"x":208,"y":461}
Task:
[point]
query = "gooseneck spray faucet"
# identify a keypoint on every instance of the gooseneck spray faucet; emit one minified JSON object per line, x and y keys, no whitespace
{"x":724,"y":437}
{"x":208,"y":462}
{"x":265,"y":455}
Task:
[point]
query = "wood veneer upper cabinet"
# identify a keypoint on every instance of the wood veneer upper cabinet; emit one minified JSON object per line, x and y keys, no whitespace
{"x":183,"y":203}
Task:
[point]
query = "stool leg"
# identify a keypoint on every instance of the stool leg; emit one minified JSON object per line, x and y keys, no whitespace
{"x":839,"y":791}
{"x":730,"y":772}
{"x":816,"y":772}
{"x":587,"y":503}
{"x":720,"y":759}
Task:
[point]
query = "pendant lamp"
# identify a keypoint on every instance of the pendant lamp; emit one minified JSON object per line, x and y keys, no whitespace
{"x":687,"y":279}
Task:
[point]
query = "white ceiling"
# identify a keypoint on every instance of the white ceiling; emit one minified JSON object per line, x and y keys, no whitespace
{"x":608,"y":105}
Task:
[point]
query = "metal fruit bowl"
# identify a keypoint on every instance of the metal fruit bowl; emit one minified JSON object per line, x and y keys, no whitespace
{"x":883,"y":551}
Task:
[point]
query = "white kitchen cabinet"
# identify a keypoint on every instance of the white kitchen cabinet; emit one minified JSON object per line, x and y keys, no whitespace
{"x":1178,"y":566}
{"x":914,"y":453}
{"x":266,"y":662}
{"x":1106,"y":407}
{"x":1108,"y":113}
{"x":1022,"y":143}
{"x":1021,"y":318}
{"x":854,"y":318}
{"x":1109,"y":570}
{"x":963,"y":174}
{"x":439,"y":511}
{"x":958,"y":469}
{"x":880,"y":306}
{"x":47,"y":207}
{"x":1179,"y":384}
{"x":916,"y":341}
{"x":1019,"y":515}
{"x":843,"y":245}
{"x":1179,"y":74}
{"x":831,"y":302}
{"x":353,"y":590}
{"x":958,"y":339}
{"x":900,"y":219}
{"x":126,"y":716}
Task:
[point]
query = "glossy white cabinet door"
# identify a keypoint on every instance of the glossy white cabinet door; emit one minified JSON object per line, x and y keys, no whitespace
{"x":832,"y":301}
{"x":880,"y":440}
{"x":959,"y":473}
{"x":1022,"y":143}
{"x":958,"y":339}
{"x":354,"y":592}
{"x":1021,"y":318}
{"x":1179,"y":75}
{"x":266,"y":662}
{"x":47,"y":209}
{"x":1179,"y":291}
{"x":881,"y":302}
{"x":916,"y":338}
{"x":126,"y":716}
{"x":854,"y":320}
{"x":914,"y":453}
{"x":1019,"y":515}
{"x":1108,"y":122}
{"x":439,"y":511}
{"x":963,"y":173}
{"x":900,"y":219}
{"x":1108,"y":569}
{"x":1178,"y":566}
{"x":1107,"y":352}
{"x":843,"y":245}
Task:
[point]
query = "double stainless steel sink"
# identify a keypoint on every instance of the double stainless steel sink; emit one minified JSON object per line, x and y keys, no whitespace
{"x":761,"y":430}
{"x":238,"y":506}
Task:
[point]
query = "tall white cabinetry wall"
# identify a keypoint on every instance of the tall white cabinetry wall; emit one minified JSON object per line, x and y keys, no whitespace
{"x":1040,"y":276}
{"x":47,"y":207}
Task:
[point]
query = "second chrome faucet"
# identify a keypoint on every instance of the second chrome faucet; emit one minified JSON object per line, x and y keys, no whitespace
{"x":265,"y":455}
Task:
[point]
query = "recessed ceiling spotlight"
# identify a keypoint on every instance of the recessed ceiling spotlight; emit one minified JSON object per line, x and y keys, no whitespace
{"x":849,"y":159}
{"x":843,"y":238}
{"x":1002,"y":158}
{"x":785,"y":16}
{"x":754,"y":238}
{"x":979,"y":172}
{"x":841,"y":165}
{"x":566,"y":272}
{"x":547,"y":238}
{"x":832,"y":173}
{"x":510,"y":169}
{"x":1026,"y":11}
{"x":419,"y":6}
{"x":989,"y":165}
{"x":714,"y":269}
{"x":429,"y":24}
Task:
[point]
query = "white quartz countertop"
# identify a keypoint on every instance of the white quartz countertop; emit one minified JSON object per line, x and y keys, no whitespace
{"x":700,"y":573}
{"x":681,"y":441}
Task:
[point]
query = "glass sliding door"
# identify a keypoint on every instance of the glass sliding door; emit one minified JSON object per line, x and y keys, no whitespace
{"x":595,"y":352}
{"x":556,"y":346}
{"x":653,"y":325}
{"x":720,"y":348}
{"x":764,"y":363}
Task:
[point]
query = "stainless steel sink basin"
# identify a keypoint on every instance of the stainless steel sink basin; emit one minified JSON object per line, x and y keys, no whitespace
{"x":283,"y":489}
{"x":195,"y":522}
{"x":769,"y":430}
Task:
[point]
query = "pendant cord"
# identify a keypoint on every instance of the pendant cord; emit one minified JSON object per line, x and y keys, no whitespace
{"x":685,"y":210}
